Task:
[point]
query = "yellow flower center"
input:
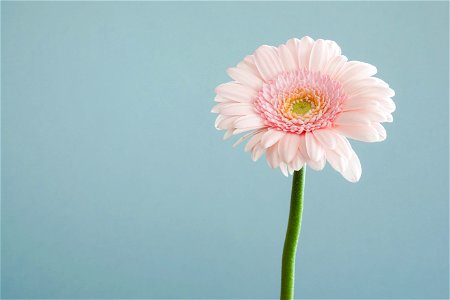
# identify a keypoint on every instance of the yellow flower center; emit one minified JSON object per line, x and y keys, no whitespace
{"x":301,"y":107}
{"x":301,"y":104}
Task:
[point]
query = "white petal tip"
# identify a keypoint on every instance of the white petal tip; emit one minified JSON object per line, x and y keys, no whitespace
{"x":353,"y":178}
{"x":227,"y":135}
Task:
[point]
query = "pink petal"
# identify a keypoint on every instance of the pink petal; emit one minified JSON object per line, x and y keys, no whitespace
{"x":319,"y":164}
{"x":364,"y":133}
{"x":222,"y":99}
{"x":273,"y":159}
{"x":247,"y":136}
{"x":290,"y":168}
{"x":237,"y":109}
{"x":293,"y":46}
{"x":288,"y":147}
{"x":228,"y":134}
{"x":353,"y":70}
{"x":288,"y":59}
{"x":343,"y":147}
{"x":358,"y":103}
{"x":369,"y":102}
{"x":257,"y":152}
{"x":313,"y":147}
{"x":248,"y":64}
{"x":236,"y":92}
{"x":284,"y":170}
{"x":352,"y":118}
{"x":253,"y":141}
{"x":371,"y":114}
{"x":338,"y":162}
{"x":333,"y":49}
{"x":244,"y":129}
{"x":344,"y":160}
{"x":217,"y":121}
{"x":252,"y":120}
{"x":335,"y":65}
{"x":268,"y":62}
{"x":325,"y":137}
{"x":353,"y":171}
{"x":298,"y":162}
{"x":226,"y":122}
{"x":302,"y":147}
{"x":304,"y":51}
{"x":216,"y":108}
{"x":245,"y":77}
{"x":376,"y":91}
{"x":319,"y":55}
{"x":387,"y":104}
{"x":381,"y":131}
{"x":271,"y":137}
{"x":355,"y":86}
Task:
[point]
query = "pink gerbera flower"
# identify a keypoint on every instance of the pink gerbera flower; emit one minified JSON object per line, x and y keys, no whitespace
{"x":301,"y":101}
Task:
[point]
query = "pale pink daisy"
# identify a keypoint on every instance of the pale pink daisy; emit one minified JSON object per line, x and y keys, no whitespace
{"x":301,"y":101}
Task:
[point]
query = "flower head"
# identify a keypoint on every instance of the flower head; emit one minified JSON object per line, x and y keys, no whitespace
{"x":300,"y":102}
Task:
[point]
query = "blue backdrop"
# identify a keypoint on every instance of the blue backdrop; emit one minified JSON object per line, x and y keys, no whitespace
{"x":115,"y":183}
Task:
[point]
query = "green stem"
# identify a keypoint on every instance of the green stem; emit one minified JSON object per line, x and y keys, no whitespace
{"x":292,"y":235}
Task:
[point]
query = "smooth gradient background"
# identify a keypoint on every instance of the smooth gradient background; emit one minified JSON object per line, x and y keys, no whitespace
{"x":115,"y":183}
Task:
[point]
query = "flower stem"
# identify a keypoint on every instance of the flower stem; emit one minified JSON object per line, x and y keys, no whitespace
{"x":292,"y":235}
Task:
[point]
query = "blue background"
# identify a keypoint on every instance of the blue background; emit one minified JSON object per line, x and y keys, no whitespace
{"x":115,"y":183}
